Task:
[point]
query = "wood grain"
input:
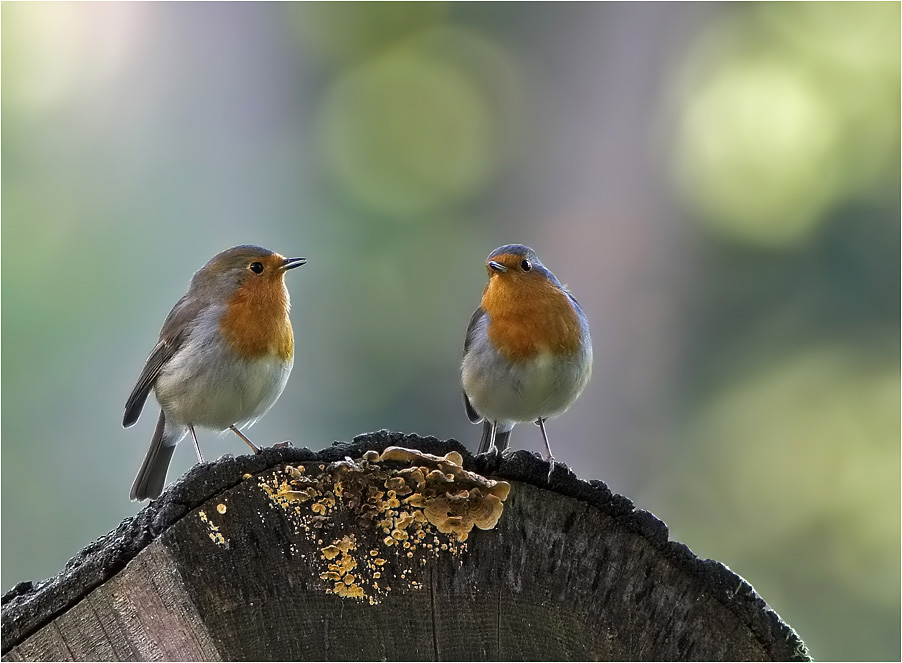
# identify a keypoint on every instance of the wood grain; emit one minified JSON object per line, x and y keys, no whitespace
{"x":570,"y":572}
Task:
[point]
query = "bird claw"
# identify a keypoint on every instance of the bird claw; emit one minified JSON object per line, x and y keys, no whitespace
{"x":550,"y":461}
{"x":492,"y":456}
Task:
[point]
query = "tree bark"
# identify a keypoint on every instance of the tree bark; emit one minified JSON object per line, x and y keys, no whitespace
{"x":349,"y":555}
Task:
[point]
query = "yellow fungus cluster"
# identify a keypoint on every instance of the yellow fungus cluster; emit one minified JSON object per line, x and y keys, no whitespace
{"x":213,"y":530}
{"x":409,"y":505}
{"x":341,"y":564}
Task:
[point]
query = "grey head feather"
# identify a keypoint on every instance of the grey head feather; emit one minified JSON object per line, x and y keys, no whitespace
{"x":225,"y":271}
{"x":527,"y":253}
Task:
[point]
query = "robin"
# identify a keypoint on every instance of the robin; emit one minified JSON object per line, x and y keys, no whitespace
{"x":528,"y":354}
{"x":223,"y":358}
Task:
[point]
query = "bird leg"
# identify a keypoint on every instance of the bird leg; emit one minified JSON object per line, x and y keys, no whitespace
{"x":541,"y":424}
{"x":200,"y":458}
{"x":243,"y":437}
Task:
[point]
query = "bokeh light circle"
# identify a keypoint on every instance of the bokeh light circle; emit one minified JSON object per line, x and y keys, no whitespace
{"x":405,"y":135}
{"x":757,"y":152}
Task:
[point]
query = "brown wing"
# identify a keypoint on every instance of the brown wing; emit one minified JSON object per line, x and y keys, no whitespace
{"x":478,"y":314}
{"x":472,"y":414}
{"x":172,"y":337}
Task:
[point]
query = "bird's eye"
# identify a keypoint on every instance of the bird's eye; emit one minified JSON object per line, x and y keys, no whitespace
{"x":525,"y":266}
{"x":256,"y":267}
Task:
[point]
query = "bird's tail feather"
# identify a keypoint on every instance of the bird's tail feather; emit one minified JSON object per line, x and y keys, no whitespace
{"x":152,"y":475}
{"x":502,"y":439}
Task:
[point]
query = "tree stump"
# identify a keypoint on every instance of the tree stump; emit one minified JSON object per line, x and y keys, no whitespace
{"x":355,"y":554}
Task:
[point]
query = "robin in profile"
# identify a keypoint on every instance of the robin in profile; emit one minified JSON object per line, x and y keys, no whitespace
{"x":528,"y":354}
{"x":223,"y":358}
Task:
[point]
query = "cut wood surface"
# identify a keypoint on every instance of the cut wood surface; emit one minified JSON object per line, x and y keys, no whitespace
{"x":353,"y":556}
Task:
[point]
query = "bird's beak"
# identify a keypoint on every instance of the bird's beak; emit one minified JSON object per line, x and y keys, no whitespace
{"x":291,"y":263}
{"x":497,"y":266}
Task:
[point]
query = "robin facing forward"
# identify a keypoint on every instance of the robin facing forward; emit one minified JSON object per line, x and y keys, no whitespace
{"x":223,"y":358}
{"x":528,"y":354}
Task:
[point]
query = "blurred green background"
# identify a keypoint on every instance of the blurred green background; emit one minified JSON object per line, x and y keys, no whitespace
{"x":719,"y":185}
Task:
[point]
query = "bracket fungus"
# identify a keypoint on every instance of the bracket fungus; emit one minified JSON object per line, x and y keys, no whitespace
{"x":408,"y":506}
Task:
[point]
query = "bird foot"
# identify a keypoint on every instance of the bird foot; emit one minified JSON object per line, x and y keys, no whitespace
{"x":492,"y":456}
{"x":550,"y":461}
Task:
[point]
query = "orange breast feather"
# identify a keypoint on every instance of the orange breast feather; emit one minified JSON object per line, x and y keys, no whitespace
{"x":256,"y":322}
{"x":528,"y":316}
